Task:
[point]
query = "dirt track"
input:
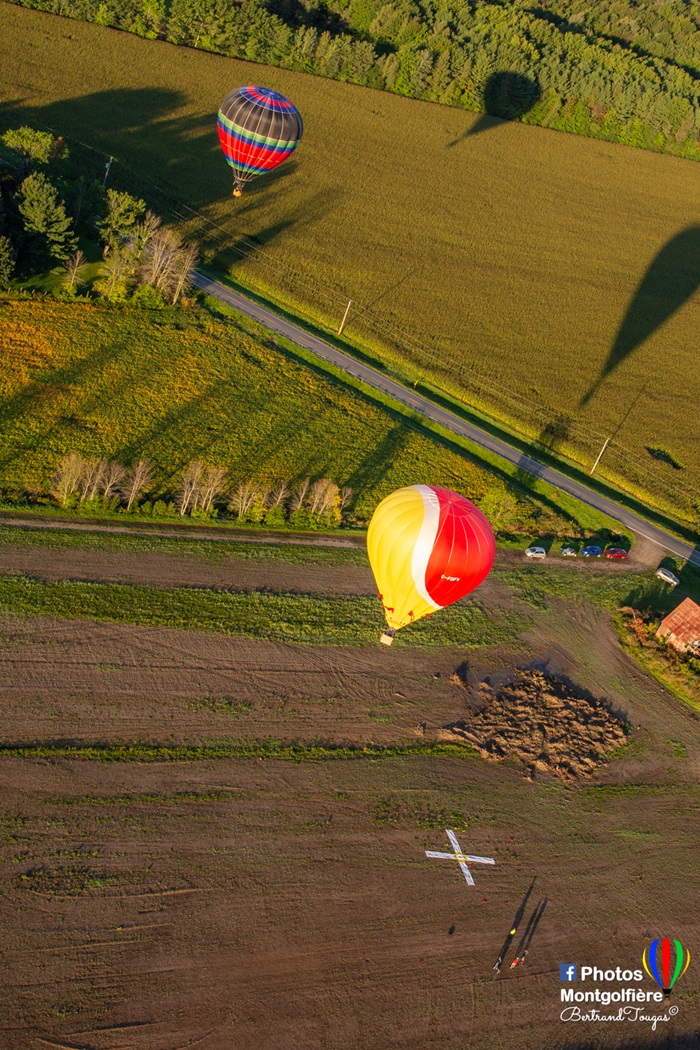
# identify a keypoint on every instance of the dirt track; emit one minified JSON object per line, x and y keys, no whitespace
{"x":182,"y":570}
{"x":172,"y":570}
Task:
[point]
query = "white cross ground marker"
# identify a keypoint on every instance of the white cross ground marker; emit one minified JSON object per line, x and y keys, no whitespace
{"x":462,"y":858}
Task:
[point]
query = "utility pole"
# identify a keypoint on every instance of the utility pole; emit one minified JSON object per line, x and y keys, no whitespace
{"x":108,"y":165}
{"x":345,"y":317}
{"x":605,"y":445}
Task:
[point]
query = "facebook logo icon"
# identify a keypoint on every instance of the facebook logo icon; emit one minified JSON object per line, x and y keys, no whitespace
{"x":567,"y":971}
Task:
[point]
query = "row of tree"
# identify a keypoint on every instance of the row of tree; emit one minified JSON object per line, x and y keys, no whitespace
{"x":203,"y":491}
{"x":141,"y":254}
{"x":45,"y":208}
{"x":624,"y":71}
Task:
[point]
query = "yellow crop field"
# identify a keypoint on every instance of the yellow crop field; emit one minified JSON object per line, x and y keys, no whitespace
{"x":551,"y":279}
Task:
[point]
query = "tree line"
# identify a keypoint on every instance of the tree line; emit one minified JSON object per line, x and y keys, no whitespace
{"x":45,"y":208}
{"x":621,"y":71}
{"x":203,"y":491}
{"x":99,"y":485}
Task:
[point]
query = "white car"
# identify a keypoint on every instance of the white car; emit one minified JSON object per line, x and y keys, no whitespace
{"x":535,"y":552}
{"x":667,"y":577}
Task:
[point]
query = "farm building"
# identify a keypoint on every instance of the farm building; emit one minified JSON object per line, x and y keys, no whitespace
{"x":681,"y":628}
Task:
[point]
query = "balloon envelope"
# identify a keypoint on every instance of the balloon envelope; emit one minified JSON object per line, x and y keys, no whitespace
{"x":428,"y":547}
{"x":258,"y":129}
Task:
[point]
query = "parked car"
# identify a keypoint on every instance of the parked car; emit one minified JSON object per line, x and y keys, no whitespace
{"x":568,"y":552}
{"x":667,"y":576}
{"x":535,"y":552}
{"x":592,"y":551}
{"x":616,"y":552}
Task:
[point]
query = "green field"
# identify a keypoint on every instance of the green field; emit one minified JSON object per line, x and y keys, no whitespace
{"x":179,"y":386}
{"x":504,"y":263}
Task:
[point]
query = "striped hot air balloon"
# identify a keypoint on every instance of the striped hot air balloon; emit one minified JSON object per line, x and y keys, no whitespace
{"x":428,"y":547}
{"x":665,"y":961}
{"x":258,"y":129}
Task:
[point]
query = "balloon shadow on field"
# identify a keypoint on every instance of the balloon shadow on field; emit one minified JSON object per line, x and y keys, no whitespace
{"x":310,"y":211}
{"x":671,"y":280}
{"x":507,"y":96}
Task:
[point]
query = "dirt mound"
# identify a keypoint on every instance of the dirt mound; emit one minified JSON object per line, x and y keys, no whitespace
{"x":546,"y":723}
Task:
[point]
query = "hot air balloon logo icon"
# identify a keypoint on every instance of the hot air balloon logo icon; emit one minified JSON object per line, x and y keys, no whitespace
{"x":665,"y":961}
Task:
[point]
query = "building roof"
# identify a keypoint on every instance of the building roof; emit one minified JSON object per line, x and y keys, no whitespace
{"x":683,"y":622}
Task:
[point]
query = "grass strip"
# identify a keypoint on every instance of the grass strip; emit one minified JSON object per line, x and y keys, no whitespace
{"x":216,"y":549}
{"x":537,"y":585}
{"x":299,"y":618}
{"x":257,"y":749}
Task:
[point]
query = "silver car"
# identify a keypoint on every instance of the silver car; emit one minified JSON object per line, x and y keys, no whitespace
{"x":667,"y":576}
{"x":535,"y":552}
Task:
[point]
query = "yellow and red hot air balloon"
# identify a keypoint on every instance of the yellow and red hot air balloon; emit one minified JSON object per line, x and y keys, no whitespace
{"x":428,"y":547}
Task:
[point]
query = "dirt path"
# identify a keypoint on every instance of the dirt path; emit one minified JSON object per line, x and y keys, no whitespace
{"x":178,"y":570}
{"x":150,"y":568}
{"x":188,"y":531}
{"x":645,"y":553}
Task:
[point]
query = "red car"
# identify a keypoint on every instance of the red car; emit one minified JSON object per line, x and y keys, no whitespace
{"x":616,"y":552}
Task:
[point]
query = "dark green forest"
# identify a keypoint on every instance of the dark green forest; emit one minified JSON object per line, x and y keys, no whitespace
{"x":623,"y":71}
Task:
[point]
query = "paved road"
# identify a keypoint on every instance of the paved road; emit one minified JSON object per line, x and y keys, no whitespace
{"x":445,"y":418}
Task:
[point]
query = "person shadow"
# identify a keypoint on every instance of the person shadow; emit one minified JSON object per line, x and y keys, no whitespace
{"x":507,"y":96}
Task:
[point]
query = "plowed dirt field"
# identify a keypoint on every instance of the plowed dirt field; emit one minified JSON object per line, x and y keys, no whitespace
{"x":260,"y":903}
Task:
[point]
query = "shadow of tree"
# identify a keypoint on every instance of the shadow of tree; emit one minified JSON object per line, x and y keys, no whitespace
{"x":672,"y":278}
{"x":378,"y":461}
{"x":145,"y":131}
{"x":56,"y":429}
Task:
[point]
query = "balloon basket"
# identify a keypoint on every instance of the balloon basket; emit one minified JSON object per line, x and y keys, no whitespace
{"x":237,"y":191}
{"x":388,"y":636}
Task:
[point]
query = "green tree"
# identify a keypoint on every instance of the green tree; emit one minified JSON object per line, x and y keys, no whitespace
{"x":123,"y":210}
{"x":38,"y":146}
{"x":7,"y":262}
{"x":44,"y":218}
{"x":202,"y":23}
{"x":116,"y":275}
